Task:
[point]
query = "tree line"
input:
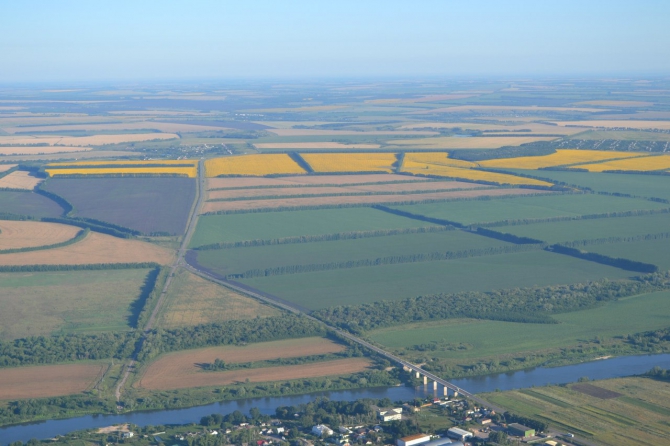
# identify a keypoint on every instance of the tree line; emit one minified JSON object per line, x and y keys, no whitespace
{"x":617,"y":262}
{"x":86,"y":267}
{"x":535,"y":304}
{"x":79,"y":236}
{"x":603,"y":241}
{"x":529,"y":221}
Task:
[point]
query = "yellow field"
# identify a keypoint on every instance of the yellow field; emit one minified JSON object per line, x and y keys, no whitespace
{"x":419,"y":160}
{"x":350,"y":162}
{"x":471,"y":174}
{"x":137,"y":163}
{"x":313,"y":145}
{"x":560,"y":158}
{"x":190,"y":172}
{"x":252,"y":165}
{"x":475,"y":142}
{"x":643,"y":164}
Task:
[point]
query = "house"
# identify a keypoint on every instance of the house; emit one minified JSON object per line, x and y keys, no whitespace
{"x":519,"y":430}
{"x":459,"y":434}
{"x":484,"y":421}
{"x":127,"y":435}
{"x":390,"y":414}
{"x":413,"y":440}
{"x":280,"y":430}
{"x":321,"y":430}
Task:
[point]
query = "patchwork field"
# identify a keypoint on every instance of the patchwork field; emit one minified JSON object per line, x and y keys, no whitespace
{"x":45,"y":303}
{"x":419,"y":160}
{"x":429,"y":168}
{"x":529,"y":128}
{"x":534,"y":207}
{"x":637,"y":415}
{"x":312,"y":145}
{"x":94,"y":248}
{"x":217,"y":206}
{"x":644,"y":164}
{"x":20,"y":180}
{"x":189,"y":172}
{"x":264,"y":374}
{"x":28,"y":203}
{"x":148,"y":205}
{"x":192,"y":300}
{"x":47,"y":381}
{"x":239,"y":260}
{"x":474,"y":142}
{"x":26,"y":234}
{"x":389,"y":282}
{"x":618,"y":124}
{"x":486,"y":338}
{"x":84,"y":141}
{"x":6,"y":167}
{"x":560,"y":158}
{"x":270,"y":225}
{"x":331,"y":180}
{"x":253,"y":165}
{"x":350,"y":162}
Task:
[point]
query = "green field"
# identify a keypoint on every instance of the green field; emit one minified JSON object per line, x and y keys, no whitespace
{"x":484,"y":211}
{"x":238,"y":260}
{"x":632,"y":184}
{"x":565,"y":231}
{"x":390,"y":282}
{"x":44,"y":303}
{"x":656,"y":252}
{"x":639,"y":416}
{"x":489,"y":338}
{"x":271,"y":225}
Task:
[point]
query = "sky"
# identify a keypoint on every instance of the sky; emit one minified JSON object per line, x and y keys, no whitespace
{"x":47,"y":41}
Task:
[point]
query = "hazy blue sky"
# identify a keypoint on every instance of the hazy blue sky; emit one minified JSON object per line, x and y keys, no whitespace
{"x":142,"y":39}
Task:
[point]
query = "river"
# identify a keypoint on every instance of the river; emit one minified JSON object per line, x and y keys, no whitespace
{"x":601,"y":369}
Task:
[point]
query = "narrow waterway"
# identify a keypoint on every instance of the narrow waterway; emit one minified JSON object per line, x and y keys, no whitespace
{"x":602,"y":369}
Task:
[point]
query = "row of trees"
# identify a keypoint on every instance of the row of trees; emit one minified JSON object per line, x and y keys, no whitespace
{"x":617,"y":262}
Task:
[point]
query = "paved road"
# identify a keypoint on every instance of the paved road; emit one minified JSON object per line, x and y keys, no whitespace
{"x":179,"y":261}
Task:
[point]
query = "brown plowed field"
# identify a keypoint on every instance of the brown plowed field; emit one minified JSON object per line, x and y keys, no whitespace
{"x":218,"y":183}
{"x":24,"y":234}
{"x":95,"y":248}
{"x":40,"y":150}
{"x":284,"y":373}
{"x":390,"y":188}
{"x":20,"y":180}
{"x":47,"y":381}
{"x":215,"y":206}
{"x":6,"y":167}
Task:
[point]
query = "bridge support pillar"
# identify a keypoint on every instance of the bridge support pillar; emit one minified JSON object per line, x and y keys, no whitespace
{"x":446,"y":391}
{"x":425,"y":380}
{"x":418,"y":375}
{"x":455,"y":394}
{"x":435,"y":385}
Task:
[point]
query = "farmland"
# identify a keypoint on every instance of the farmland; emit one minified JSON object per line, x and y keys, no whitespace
{"x":451,"y":142}
{"x":635,"y":415}
{"x":652,"y":251}
{"x":252,"y":165}
{"x":45,"y":303}
{"x":148,"y":205}
{"x":644,"y":164}
{"x":560,"y":158}
{"x":420,"y":168}
{"x":350,"y":162}
{"x":537,"y":207}
{"x":29,"y":234}
{"x":390,"y":282}
{"x":332,"y":180}
{"x":190,"y":172}
{"x":192,"y":300}
{"x":46,"y":381}
{"x":415,"y":160}
{"x":27,"y":203}
{"x":84,"y":141}
{"x":27,"y":150}
{"x":19,"y":180}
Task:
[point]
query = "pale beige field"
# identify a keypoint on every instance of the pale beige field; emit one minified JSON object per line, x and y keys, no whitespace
{"x":6,"y":167}
{"x":48,"y":380}
{"x":192,"y":300}
{"x":313,"y":145}
{"x":97,"y":140}
{"x":617,"y":103}
{"x":40,"y":150}
{"x":503,"y":108}
{"x":311,"y":132}
{"x":266,"y":374}
{"x":220,"y":183}
{"x":427,"y":98}
{"x":28,"y":234}
{"x":475,"y":142}
{"x":20,"y":179}
{"x":168,"y":127}
{"x":73,"y":155}
{"x":215,"y":206}
{"x":641,"y":125}
{"x":534,"y":127}
{"x":95,"y":248}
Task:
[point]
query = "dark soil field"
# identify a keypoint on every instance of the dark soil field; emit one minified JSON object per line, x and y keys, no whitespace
{"x":148,"y":205}
{"x":28,"y":203}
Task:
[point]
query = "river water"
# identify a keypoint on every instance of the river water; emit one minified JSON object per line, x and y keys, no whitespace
{"x":602,"y":369}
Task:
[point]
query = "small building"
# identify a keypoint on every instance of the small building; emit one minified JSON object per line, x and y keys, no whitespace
{"x":413,"y":440}
{"x":459,"y":434}
{"x":519,"y":430}
{"x":321,"y":430}
{"x":127,"y":435}
{"x":390,"y":414}
{"x":485,"y":421}
{"x":441,"y":442}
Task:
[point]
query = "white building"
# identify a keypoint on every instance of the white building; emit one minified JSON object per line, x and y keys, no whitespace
{"x":459,"y":434}
{"x":413,"y":440}
{"x":322,"y":430}
{"x":390,"y":414}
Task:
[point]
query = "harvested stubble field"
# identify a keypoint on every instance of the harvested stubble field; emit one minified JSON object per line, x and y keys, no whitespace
{"x":84,"y":141}
{"x":28,"y":203}
{"x":606,"y":103}
{"x":147,"y":205}
{"x":270,"y":225}
{"x":376,"y":188}
{"x":517,"y":208}
{"x":6,"y":167}
{"x":474,"y":142}
{"x":265,"y":374}
{"x":20,"y":179}
{"x":442,"y":170}
{"x":190,"y":172}
{"x":24,"y":234}
{"x":312,"y":145}
{"x":94,"y":248}
{"x":215,"y":206}
{"x":312,"y":180}
{"x":47,"y":381}
{"x":350,"y":162}
{"x":46,"y":303}
{"x":192,"y":300}
{"x":529,"y":128}
{"x":311,"y":132}
{"x":618,"y":124}
{"x":560,"y":158}
{"x":253,"y":165}
{"x":643,"y":164}
{"x":168,"y":127}
{"x":26,"y":150}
